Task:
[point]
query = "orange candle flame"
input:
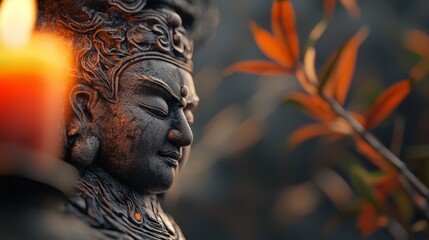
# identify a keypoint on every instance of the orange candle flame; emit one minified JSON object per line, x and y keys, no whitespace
{"x":17,"y":20}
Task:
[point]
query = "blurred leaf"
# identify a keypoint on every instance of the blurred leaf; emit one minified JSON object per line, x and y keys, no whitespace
{"x":329,"y":7}
{"x":341,"y":126}
{"x":367,"y":221}
{"x":420,"y":226}
{"x":304,"y":81}
{"x":283,"y":25}
{"x":299,"y":200}
{"x":419,"y":71}
{"x":307,"y":132}
{"x":360,"y":179}
{"x":374,"y":187}
{"x":246,"y":135}
{"x":332,"y":128}
{"x":328,"y":69}
{"x":418,"y":42}
{"x":313,"y":105}
{"x":333,"y":185}
{"x":330,"y":139}
{"x":373,"y":155}
{"x":404,"y":205}
{"x":309,"y":64}
{"x":385,"y":185}
{"x":316,"y":33}
{"x":397,"y":135}
{"x":271,"y":46}
{"x":352,"y":7}
{"x":358,"y":117}
{"x":257,"y":67}
{"x":386,"y":103}
{"x":337,"y":73}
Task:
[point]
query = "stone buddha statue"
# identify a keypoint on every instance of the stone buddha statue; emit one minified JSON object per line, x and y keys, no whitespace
{"x":127,"y":130}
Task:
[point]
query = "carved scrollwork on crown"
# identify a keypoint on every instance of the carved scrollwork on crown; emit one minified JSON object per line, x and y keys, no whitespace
{"x":130,"y":6}
{"x":150,"y":30}
{"x":105,"y":42}
{"x":165,"y":35}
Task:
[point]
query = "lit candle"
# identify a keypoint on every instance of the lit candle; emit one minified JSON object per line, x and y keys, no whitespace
{"x":33,"y":75}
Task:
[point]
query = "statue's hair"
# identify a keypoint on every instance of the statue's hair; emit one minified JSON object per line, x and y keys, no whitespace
{"x":107,"y":37}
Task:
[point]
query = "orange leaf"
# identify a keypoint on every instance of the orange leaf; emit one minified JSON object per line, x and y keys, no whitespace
{"x":338,"y":72}
{"x":329,"y":7}
{"x":305,"y":83}
{"x":257,"y":67}
{"x":313,"y":105}
{"x":367,"y":221}
{"x":327,"y":72}
{"x":271,"y":46}
{"x":341,"y":126}
{"x":333,"y":137}
{"x":283,"y":25}
{"x":373,"y":155}
{"x":385,"y":185}
{"x":358,"y":117}
{"x":418,"y":42}
{"x":307,"y":132}
{"x":352,"y":7}
{"x":386,"y":103}
{"x":309,"y":64}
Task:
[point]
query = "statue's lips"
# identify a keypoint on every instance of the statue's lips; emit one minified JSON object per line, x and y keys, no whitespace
{"x":171,"y":157}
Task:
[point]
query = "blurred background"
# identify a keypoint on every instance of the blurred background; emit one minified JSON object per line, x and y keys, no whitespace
{"x":242,"y":182}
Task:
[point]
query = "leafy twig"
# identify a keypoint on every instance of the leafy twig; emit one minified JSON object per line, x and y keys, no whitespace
{"x":385,"y":152}
{"x":325,"y":95}
{"x":417,"y":187}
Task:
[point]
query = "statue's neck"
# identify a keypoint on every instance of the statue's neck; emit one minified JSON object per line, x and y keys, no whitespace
{"x":96,"y":174}
{"x":112,"y":189}
{"x":107,"y":203}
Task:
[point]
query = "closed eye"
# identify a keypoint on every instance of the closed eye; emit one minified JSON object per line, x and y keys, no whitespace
{"x":155,"y":111}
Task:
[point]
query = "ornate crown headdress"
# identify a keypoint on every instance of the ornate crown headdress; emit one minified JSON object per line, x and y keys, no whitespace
{"x":110,"y":35}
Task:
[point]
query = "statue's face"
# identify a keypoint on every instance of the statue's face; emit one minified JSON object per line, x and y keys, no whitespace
{"x":145,"y":137}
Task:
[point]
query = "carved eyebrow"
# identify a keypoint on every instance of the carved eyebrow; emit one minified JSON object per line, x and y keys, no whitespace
{"x":161,"y":84}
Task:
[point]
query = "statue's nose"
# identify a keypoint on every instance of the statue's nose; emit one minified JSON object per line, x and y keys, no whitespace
{"x":180,"y":134}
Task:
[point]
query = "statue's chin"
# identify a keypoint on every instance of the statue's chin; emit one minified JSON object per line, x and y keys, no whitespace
{"x":152,"y":189}
{"x":149,"y":185}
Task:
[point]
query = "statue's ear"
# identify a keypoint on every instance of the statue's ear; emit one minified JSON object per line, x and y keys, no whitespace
{"x":82,"y":100}
{"x":84,"y":143}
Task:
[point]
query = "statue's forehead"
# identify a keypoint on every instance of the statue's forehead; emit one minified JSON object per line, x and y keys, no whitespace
{"x":174,"y":77}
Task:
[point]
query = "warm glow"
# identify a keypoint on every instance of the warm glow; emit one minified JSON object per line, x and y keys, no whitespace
{"x":17,"y":19}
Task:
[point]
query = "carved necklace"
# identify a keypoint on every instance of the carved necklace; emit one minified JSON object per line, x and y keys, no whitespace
{"x":119,"y":212}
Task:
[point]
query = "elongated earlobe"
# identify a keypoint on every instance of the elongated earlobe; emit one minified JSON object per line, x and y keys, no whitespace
{"x":84,"y":150}
{"x":84,"y":144}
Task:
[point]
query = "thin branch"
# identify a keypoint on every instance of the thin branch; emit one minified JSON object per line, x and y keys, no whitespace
{"x":385,"y":152}
{"x":411,"y":179}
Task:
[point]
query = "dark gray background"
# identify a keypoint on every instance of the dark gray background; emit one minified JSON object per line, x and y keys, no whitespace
{"x":241,"y":178}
